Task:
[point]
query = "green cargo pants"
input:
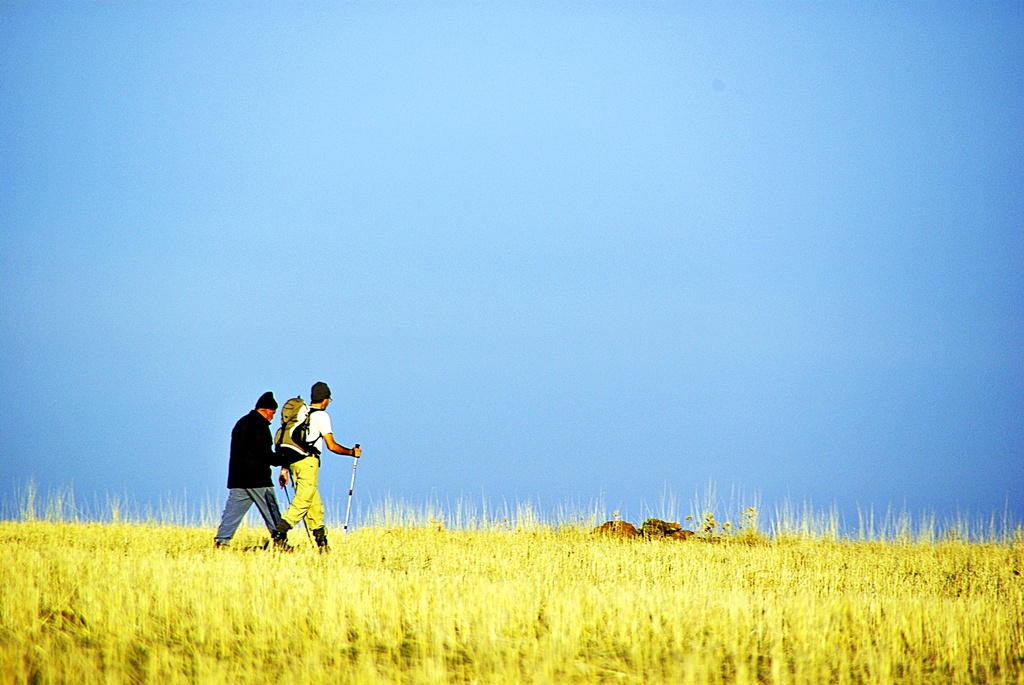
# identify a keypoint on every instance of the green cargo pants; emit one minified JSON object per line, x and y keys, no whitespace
{"x":307,"y":502}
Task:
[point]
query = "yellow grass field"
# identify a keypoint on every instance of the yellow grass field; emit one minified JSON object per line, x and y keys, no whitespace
{"x":138,"y":603}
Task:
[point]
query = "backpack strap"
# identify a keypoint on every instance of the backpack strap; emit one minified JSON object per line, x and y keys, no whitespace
{"x":309,"y":442}
{"x":303,"y":442}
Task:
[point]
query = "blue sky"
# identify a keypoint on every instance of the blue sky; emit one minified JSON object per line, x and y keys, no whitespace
{"x":540,"y":251}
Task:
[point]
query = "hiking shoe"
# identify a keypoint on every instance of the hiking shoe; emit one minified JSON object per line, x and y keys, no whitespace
{"x":282,"y":545}
{"x":320,"y":535}
{"x":280,"y":536}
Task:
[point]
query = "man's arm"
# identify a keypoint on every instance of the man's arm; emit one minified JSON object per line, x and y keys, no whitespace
{"x":339,"y":449}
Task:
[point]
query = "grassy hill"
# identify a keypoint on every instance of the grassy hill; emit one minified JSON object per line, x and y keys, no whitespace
{"x":132,"y":603}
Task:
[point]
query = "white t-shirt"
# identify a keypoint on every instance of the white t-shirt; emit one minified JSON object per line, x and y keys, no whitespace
{"x":319,"y":426}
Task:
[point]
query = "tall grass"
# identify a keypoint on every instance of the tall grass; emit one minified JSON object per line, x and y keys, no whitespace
{"x":62,"y":505}
{"x":437,"y":592}
{"x":707,"y":512}
{"x":414,"y":600}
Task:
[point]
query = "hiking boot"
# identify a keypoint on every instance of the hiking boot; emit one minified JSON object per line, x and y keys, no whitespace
{"x":280,"y":536}
{"x":320,"y":535}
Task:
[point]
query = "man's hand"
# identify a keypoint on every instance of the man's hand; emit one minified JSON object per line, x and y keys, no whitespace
{"x":357,"y":451}
{"x":282,"y":478}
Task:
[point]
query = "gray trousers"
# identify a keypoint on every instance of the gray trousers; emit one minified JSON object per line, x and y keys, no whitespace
{"x":239,"y":501}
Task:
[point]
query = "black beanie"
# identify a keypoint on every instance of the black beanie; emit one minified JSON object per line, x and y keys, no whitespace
{"x":319,"y":392}
{"x":266,"y":401}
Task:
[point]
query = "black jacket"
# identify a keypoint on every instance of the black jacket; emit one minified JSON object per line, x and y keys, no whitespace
{"x":252,"y":453}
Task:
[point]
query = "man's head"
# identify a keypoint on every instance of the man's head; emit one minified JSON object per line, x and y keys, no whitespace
{"x":266,"y":405}
{"x":319,"y":393}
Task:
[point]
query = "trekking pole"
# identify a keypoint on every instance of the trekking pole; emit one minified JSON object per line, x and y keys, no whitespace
{"x":351,"y":487}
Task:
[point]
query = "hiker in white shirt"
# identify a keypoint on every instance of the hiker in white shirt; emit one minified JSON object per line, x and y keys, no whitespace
{"x":306,"y":471}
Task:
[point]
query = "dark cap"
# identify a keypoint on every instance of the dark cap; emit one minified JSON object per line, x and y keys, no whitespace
{"x":266,"y":401}
{"x":319,"y":392}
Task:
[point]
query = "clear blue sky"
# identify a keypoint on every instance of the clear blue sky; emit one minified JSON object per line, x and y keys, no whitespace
{"x":540,"y":251}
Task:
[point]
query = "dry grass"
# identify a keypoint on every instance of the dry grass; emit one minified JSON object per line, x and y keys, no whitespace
{"x":132,"y":603}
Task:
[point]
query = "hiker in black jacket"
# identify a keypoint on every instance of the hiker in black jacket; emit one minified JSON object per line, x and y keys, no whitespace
{"x":252,"y":454}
